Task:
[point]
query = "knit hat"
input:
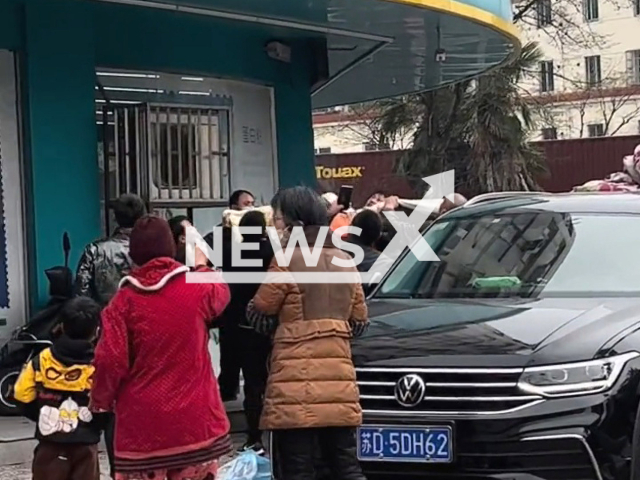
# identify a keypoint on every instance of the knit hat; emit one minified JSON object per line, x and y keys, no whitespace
{"x":151,"y":238}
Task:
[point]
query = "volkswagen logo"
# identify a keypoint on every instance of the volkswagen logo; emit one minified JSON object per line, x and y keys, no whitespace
{"x":410,"y":390}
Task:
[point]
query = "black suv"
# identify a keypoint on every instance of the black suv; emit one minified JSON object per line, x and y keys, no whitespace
{"x":515,"y":357}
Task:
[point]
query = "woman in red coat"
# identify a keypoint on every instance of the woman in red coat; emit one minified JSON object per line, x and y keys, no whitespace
{"x":153,"y":366}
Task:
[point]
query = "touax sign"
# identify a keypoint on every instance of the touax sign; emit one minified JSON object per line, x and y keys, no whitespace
{"x":338,"y":172}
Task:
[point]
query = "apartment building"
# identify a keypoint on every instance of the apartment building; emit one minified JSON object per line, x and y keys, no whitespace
{"x":588,"y":83}
{"x":352,"y":129}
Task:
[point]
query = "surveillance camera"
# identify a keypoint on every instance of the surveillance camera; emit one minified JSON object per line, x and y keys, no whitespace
{"x":278,"y":51}
{"x":441,"y":55}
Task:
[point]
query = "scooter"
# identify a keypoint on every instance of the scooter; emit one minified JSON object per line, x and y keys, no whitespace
{"x":37,"y":334}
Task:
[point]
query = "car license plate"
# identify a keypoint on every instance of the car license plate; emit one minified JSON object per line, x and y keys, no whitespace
{"x":410,"y":444}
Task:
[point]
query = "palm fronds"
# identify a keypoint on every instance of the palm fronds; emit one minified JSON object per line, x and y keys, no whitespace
{"x":478,"y":127}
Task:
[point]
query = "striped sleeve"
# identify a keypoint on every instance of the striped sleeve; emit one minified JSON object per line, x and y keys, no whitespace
{"x":261,"y":323}
{"x":358,"y":328}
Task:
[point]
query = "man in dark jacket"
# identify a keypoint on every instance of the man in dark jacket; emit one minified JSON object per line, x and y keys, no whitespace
{"x":105,"y":262}
{"x":253,"y":348}
{"x":372,"y":225}
{"x":229,"y":378}
{"x":102,"y":266}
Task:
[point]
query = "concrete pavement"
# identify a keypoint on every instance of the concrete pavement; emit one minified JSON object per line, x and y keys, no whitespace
{"x":17,"y":442}
{"x":22,"y":470}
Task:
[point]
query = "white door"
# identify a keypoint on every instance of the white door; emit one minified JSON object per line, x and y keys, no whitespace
{"x":12,"y":265}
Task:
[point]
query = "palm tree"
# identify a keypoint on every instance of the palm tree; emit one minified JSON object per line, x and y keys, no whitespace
{"x":478,"y":127}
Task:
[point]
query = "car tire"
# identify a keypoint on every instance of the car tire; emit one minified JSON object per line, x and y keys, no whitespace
{"x":8,"y":377}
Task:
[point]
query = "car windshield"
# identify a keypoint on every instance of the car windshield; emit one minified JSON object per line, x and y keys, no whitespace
{"x":526,"y":254}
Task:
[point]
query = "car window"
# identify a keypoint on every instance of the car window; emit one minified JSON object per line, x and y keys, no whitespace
{"x":526,"y":254}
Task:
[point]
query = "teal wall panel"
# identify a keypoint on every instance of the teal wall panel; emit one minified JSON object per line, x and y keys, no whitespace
{"x":60,"y":78}
{"x":10,"y":24}
{"x":142,"y":38}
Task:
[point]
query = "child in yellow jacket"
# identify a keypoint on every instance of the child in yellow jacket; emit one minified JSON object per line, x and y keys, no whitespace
{"x":53,"y":390}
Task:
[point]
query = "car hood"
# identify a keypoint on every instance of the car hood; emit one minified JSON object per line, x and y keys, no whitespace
{"x":491,"y":333}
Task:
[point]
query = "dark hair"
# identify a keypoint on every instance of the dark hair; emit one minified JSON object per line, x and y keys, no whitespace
{"x":80,"y":318}
{"x":175,"y":224}
{"x":235,"y":196}
{"x":371,"y":225}
{"x":254,"y":218}
{"x":388,"y":232}
{"x":151,"y":238}
{"x":300,"y":206}
{"x":128,"y":208}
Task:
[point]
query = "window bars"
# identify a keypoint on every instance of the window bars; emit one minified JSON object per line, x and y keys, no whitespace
{"x":169,"y":155}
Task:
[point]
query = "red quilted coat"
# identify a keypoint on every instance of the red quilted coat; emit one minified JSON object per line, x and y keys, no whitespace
{"x":154,"y":370}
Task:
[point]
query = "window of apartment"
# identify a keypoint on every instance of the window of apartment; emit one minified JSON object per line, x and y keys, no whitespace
{"x":372,"y":147}
{"x":544,"y":13}
{"x":590,"y":10}
{"x":593,"y":70}
{"x":549,"y":133}
{"x":322,"y":150}
{"x":596,"y":130}
{"x":633,"y":67}
{"x":546,"y":76}
{"x":636,"y":7}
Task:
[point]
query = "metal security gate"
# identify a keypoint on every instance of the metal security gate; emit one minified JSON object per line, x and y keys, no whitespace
{"x":171,"y":156}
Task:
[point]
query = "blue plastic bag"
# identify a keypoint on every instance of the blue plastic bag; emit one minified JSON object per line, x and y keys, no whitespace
{"x":246,"y":466}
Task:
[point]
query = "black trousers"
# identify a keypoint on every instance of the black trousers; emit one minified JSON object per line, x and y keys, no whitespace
{"x":231,"y":351}
{"x":301,"y":454}
{"x":57,"y":461}
{"x":255,"y":355}
{"x":109,"y":439}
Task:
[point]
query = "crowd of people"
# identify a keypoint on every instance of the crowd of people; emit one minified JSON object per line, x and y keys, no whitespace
{"x":132,"y":359}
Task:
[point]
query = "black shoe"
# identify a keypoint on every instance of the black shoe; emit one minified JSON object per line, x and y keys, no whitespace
{"x":226,"y":397}
{"x":257,"y":447}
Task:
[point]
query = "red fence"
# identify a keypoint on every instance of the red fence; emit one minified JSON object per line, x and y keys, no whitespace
{"x":570,"y":163}
{"x":573,"y":162}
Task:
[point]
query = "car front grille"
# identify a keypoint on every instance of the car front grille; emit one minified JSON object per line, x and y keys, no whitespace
{"x":449,"y":391}
{"x":566,"y":458}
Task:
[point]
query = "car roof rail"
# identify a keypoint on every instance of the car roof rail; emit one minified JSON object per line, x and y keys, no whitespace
{"x":486,"y":197}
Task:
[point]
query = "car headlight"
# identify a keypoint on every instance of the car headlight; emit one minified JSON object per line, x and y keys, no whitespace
{"x":580,"y":378}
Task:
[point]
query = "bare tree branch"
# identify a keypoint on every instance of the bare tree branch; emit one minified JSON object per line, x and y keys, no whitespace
{"x":523,"y":10}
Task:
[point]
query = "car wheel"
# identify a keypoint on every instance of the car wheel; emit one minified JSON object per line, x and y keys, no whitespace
{"x":8,"y":379}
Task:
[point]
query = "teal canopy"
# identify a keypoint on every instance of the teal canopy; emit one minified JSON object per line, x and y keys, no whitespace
{"x":378,"y":48}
